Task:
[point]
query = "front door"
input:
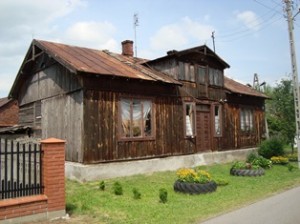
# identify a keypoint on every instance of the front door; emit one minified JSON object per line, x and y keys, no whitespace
{"x":203,"y":128}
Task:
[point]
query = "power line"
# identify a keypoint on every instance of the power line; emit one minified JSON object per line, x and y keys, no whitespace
{"x":256,"y":23}
{"x":266,"y":6}
{"x":248,"y":32}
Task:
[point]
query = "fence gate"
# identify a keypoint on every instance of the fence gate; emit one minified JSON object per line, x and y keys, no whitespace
{"x":21,"y":169}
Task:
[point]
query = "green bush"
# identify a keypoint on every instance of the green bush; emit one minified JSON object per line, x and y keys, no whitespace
{"x":221,"y":182}
{"x":292,"y":157}
{"x":251,"y":157}
{"x":117,"y":188}
{"x":290,"y":167}
{"x":136,"y":193}
{"x":102,"y":185}
{"x":262,"y":162}
{"x":271,"y":147}
{"x":163,"y":195}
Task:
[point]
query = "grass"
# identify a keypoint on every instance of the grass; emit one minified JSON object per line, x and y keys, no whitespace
{"x":97,"y":206}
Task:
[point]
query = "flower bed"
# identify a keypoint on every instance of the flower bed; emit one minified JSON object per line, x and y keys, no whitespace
{"x":246,"y":169}
{"x":194,"y":181}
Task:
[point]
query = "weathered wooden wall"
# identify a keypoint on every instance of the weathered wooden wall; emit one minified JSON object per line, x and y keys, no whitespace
{"x":62,"y":118}
{"x":51,"y":103}
{"x":233,"y":137}
{"x":51,"y":81}
{"x":101,"y":117}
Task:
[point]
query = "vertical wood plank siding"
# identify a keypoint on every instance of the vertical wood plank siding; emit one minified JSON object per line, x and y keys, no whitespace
{"x":101,"y":140}
{"x":233,"y":137}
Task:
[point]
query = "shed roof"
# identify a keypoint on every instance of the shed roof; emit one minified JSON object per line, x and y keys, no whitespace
{"x":236,"y":87}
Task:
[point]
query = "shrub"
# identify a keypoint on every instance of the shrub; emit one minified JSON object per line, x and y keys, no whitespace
{"x":102,"y":185}
{"x":163,"y":195}
{"x":193,"y":175}
{"x":117,"y":188}
{"x":292,"y":157}
{"x":251,"y":157}
{"x":221,"y":182}
{"x":290,"y":167}
{"x":262,"y":162}
{"x":136,"y":193}
{"x":271,"y":147}
{"x":240,"y":165}
{"x":280,"y":160}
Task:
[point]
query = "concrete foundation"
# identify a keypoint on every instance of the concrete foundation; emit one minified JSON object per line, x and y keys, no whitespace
{"x":82,"y":173}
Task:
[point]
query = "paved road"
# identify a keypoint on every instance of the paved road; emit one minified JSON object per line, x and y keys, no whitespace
{"x":283,"y":208}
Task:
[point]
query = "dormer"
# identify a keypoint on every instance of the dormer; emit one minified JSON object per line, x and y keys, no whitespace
{"x":196,"y":65}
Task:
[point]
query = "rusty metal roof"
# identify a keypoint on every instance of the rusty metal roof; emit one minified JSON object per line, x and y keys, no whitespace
{"x":236,"y":87}
{"x":86,"y":60}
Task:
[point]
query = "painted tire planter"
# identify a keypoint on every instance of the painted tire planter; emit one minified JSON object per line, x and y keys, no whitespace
{"x":195,"y":188}
{"x":247,"y":172}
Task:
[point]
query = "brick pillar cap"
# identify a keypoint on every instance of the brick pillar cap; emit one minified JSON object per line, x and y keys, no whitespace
{"x":52,"y":140}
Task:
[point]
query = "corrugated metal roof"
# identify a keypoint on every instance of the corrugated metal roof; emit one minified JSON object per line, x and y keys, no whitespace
{"x":236,"y":87}
{"x":80,"y":59}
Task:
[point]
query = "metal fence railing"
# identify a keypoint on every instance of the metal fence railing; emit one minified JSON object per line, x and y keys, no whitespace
{"x":21,"y":169}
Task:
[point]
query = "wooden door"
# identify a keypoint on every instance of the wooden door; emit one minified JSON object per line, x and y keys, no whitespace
{"x":203,"y":127}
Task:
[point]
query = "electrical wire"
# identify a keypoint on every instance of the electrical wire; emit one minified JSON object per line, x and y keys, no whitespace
{"x":257,"y":26}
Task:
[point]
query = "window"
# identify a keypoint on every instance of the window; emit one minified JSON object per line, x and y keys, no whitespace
{"x":246,"y":119}
{"x":215,"y":77}
{"x":186,"y":72}
{"x":136,"y":118}
{"x":201,"y":75}
{"x":190,"y":119}
{"x":217,"y":120}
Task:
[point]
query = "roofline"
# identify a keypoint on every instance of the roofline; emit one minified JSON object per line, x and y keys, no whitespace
{"x":176,"y":53}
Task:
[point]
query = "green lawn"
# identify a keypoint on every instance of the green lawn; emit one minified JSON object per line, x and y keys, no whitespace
{"x":96,"y":206}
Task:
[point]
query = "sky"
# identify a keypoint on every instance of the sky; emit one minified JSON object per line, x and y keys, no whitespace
{"x":250,"y":35}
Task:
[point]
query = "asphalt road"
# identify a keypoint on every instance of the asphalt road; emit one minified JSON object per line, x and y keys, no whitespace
{"x":283,"y":208}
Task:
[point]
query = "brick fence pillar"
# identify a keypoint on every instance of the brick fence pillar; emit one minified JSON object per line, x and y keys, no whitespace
{"x":53,"y":178}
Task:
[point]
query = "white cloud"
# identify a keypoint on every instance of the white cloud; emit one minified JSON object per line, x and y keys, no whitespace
{"x":181,"y":34}
{"x":22,"y":20}
{"x":249,"y":19}
{"x":92,"y":34}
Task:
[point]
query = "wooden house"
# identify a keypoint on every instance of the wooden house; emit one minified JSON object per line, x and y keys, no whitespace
{"x":115,"y":107}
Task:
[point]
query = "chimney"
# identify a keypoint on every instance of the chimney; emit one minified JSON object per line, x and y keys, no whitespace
{"x":127,"y":48}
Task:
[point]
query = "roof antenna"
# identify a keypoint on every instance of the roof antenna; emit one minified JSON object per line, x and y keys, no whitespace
{"x":213,"y":39}
{"x":135,"y":24}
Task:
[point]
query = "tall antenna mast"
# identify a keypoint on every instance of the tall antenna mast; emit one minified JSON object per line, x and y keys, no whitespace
{"x":135,"y":24}
{"x":213,"y":39}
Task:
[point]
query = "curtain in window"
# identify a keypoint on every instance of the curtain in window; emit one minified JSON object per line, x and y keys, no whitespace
{"x":189,"y":120}
{"x":217,"y":121}
{"x":136,"y":118}
{"x":147,"y":117}
{"x":125,"y":114}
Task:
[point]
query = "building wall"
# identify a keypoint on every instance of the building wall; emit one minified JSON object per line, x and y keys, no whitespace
{"x":9,"y":114}
{"x":101,"y":118}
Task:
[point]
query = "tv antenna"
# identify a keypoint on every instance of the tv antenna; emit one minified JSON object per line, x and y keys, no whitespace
{"x":135,"y":24}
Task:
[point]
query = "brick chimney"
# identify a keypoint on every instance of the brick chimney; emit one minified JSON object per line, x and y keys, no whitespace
{"x":127,"y":48}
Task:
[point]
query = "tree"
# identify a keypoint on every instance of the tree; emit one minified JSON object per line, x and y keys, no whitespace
{"x":280,"y":111}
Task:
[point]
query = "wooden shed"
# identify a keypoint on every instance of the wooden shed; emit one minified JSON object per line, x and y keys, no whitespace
{"x":115,"y":107}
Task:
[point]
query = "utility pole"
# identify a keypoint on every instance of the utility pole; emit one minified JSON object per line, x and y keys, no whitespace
{"x":290,"y":19}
